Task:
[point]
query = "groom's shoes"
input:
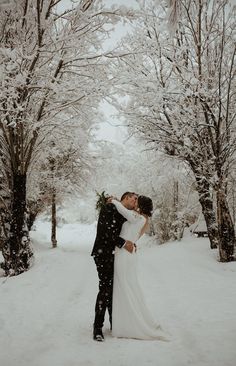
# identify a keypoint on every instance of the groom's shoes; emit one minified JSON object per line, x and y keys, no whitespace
{"x":98,"y":335}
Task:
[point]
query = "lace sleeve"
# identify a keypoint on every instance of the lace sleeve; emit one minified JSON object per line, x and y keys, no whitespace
{"x":130,"y":215}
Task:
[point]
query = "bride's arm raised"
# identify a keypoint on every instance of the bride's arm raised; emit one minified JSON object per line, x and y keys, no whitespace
{"x":130,"y":215}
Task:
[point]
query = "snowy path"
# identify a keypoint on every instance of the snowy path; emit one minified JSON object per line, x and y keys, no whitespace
{"x":46,"y":314}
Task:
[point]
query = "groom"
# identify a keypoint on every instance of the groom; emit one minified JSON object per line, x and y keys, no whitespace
{"x":108,"y":229}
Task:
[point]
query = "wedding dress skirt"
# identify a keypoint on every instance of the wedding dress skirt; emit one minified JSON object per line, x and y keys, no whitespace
{"x":130,"y":315}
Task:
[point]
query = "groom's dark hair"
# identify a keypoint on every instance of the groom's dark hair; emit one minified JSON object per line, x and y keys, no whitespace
{"x":127,"y":194}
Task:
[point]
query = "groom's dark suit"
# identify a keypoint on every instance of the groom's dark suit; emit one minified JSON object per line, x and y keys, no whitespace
{"x":108,"y":229}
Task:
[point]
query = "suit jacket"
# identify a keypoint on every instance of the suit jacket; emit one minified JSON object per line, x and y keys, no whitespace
{"x":108,"y":230}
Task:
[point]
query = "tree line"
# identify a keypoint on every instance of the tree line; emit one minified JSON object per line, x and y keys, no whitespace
{"x":176,"y":73}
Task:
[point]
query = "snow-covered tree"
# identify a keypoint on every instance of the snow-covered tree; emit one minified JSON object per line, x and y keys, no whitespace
{"x":50,"y":63}
{"x":63,"y":170}
{"x":182,"y":98}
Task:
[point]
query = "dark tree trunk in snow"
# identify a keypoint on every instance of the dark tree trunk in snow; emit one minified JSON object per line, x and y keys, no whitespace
{"x":17,"y":251}
{"x":54,"y":220}
{"x":208,"y":211}
{"x":226,"y":228}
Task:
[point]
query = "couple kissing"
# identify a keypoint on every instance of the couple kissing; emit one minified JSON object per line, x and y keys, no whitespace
{"x":120,"y":225}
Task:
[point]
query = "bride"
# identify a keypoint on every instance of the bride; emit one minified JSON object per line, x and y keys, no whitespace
{"x":130,"y":315}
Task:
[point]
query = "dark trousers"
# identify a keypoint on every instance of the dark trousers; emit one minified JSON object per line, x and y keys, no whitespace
{"x":105,"y":268}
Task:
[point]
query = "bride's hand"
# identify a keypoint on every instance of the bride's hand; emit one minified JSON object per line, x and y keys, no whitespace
{"x":129,"y":245}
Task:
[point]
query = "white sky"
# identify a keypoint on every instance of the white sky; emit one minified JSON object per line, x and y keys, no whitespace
{"x":110,"y":129}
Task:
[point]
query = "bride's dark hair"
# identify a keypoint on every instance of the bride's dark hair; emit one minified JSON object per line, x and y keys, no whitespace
{"x":145,"y":205}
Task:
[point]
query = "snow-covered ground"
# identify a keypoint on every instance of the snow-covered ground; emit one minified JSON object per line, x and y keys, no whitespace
{"x":46,"y":314}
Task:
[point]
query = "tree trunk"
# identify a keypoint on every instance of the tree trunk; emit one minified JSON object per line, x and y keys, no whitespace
{"x":17,"y":251}
{"x":34,"y":207}
{"x":208,"y":211}
{"x":179,"y":222}
{"x":54,"y":220}
{"x":233,"y":203}
{"x":226,"y":228}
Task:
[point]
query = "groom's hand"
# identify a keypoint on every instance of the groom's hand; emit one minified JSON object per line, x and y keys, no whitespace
{"x":129,"y":245}
{"x":112,"y":198}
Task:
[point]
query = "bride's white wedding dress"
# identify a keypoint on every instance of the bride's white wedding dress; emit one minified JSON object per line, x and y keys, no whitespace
{"x":130,"y":315}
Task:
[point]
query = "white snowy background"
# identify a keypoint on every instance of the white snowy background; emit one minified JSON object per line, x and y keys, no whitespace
{"x":46,"y":314}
